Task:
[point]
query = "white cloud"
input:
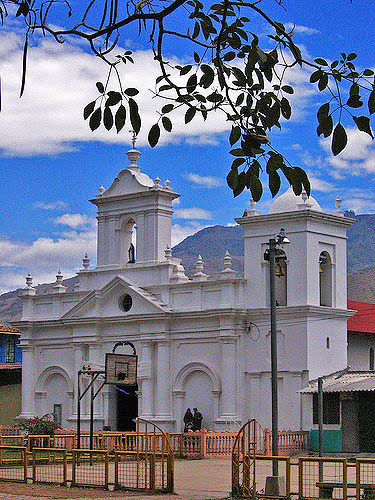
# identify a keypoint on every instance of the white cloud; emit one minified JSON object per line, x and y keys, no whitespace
{"x":320,"y":184}
{"x":193,"y":213}
{"x":207,"y":181}
{"x":179,"y":232}
{"x":75,"y":221}
{"x":60,"y":82}
{"x":303,"y":30}
{"x":55,"y":205}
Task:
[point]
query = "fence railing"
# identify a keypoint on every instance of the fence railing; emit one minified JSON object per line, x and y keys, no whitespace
{"x":290,"y":442}
{"x":199,"y":444}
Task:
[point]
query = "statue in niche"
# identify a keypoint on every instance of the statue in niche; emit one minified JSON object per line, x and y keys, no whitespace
{"x":131,"y":253}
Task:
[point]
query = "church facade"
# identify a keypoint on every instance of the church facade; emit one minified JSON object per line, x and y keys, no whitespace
{"x":200,"y":342}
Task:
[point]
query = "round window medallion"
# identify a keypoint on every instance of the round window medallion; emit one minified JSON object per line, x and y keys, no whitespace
{"x":125,"y":302}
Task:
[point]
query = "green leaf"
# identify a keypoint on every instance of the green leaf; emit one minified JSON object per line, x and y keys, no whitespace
{"x":108,"y":118}
{"x":363,"y":124}
{"x":135,"y":119}
{"x":113,"y":98}
{"x":196,"y":30}
{"x":371,"y":102}
{"x":302,"y":178}
{"x":154,"y":135}
{"x":192,"y":83}
{"x":189,"y":115}
{"x":288,"y":89}
{"x":237,"y":162}
{"x":185,"y":70}
{"x":167,"y":108}
{"x":274,"y":182}
{"x":120,"y":118}
{"x":100,"y":87}
{"x":255,"y":187}
{"x":321,"y":61}
{"x":368,"y":72}
{"x":354,"y":101}
{"x":229,"y":56}
{"x":315,"y":76}
{"x":196,"y":58}
{"x":351,"y":56}
{"x":167,"y":124}
{"x":208,"y":76}
{"x":95,"y":119}
{"x":131,"y":92}
{"x":88,"y":109}
{"x":286,"y":110}
{"x":241,"y":184}
{"x":323,"y":112}
{"x":234,"y":135}
{"x":232,"y":179}
{"x":323,"y":82}
{"x":237,"y":152}
{"x":339,"y":139}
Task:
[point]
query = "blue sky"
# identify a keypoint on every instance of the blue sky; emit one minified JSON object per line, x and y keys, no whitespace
{"x":51,"y":163}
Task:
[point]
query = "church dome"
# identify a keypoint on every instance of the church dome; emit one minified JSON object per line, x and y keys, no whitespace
{"x":289,"y":202}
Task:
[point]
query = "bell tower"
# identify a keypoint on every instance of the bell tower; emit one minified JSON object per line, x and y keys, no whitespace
{"x":134,"y":218}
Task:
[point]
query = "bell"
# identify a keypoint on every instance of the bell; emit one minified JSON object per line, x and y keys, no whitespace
{"x":278,"y":270}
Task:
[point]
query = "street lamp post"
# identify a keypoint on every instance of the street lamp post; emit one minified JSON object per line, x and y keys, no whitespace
{"x":270,"y":255}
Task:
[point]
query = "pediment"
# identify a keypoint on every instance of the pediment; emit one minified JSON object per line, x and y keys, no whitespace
{"x":109,"y":302}
{"x":129,"y":180}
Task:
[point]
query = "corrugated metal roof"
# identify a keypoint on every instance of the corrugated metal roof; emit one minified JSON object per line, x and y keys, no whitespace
{"x":348,"y":382}
{"x":10,"y":366}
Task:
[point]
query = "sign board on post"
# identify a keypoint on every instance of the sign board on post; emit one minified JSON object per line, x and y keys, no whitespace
{"x":121,"y":369}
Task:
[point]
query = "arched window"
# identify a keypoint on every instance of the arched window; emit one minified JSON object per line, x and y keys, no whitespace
{"x":372,"y":359}
{"x":325,"y":279}
{"x":281,"y":278}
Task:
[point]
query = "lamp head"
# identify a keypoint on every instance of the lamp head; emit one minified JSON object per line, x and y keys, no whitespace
{"x":281,"y":238}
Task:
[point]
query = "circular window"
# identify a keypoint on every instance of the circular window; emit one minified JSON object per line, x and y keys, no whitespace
{"x":125,"y":302}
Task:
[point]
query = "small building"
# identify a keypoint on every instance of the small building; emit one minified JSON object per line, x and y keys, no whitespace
{"x":10,"y":374}
{"x":349,"y":395}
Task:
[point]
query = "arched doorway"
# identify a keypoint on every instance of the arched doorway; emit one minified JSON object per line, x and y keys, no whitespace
{"x":54,"y":395}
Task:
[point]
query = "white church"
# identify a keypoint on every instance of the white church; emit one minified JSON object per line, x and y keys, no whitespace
{"x":200,"y":342}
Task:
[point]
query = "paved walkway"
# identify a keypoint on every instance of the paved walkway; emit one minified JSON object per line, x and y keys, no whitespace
{"x":194,"y":480}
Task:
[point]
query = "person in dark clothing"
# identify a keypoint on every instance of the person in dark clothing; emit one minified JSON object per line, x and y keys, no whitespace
{"x":188,"y":420}
{"x":197,"y":420}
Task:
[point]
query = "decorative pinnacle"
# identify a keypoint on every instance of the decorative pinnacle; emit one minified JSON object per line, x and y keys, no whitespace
{"x":101,"y":190}
{"x":304,"y":196}
{"x":157,"y":180}
{"x":338,"y":202}
{"x":252,"y":204}
{"x":86,"y":261}
{"x":227,"y":260}
{"x":199,"y":264}
{"x":29,"y":281}
{"x":59,"y":278}
{"x":168,"y":253}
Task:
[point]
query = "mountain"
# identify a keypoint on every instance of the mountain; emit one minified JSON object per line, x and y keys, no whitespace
{"x":212,"y":243}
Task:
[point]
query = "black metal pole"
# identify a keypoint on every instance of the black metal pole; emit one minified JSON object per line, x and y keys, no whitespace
{"x":320,"y":425}
{"x":79,"y":411}
{"x":275,"y":425}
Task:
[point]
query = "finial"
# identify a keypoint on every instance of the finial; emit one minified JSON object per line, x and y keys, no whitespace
{"x":338,"y":202}
{"x":29,"y":280}
{"x":134,"y":137}
{"x":168,"y":253}
{"x":252,"y":211}
{"x":304,"y":196}
{"x":252,"y":204}
{"x":227,"y":272}
{"x":157,"y":180}
{"x":86,"y":261}
{"x":101,"y":191}
{"x":199,"y":265}
{"x":167,"y":184}
{"x":59,"y":278}
{"x":227,"y":260}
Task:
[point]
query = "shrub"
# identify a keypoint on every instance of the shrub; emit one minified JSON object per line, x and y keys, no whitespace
{"x":39,"y":425}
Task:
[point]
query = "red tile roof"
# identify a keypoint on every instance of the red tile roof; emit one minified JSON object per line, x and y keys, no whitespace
{"x":10,"y":366}
{"x":364,"y":319}
{"x":9,"y":329}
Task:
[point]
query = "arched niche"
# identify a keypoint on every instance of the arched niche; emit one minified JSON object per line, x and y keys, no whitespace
{"x":128,"y":241}
{"x":281,"y":272}
{"x":325,"y":279}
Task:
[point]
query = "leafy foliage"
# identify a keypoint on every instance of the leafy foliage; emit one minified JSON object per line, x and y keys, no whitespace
{"x":230,"y":73}
{"x":39,"y":425}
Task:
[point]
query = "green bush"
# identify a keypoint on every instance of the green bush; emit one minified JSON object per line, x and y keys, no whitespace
{"x":40,"y":425}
